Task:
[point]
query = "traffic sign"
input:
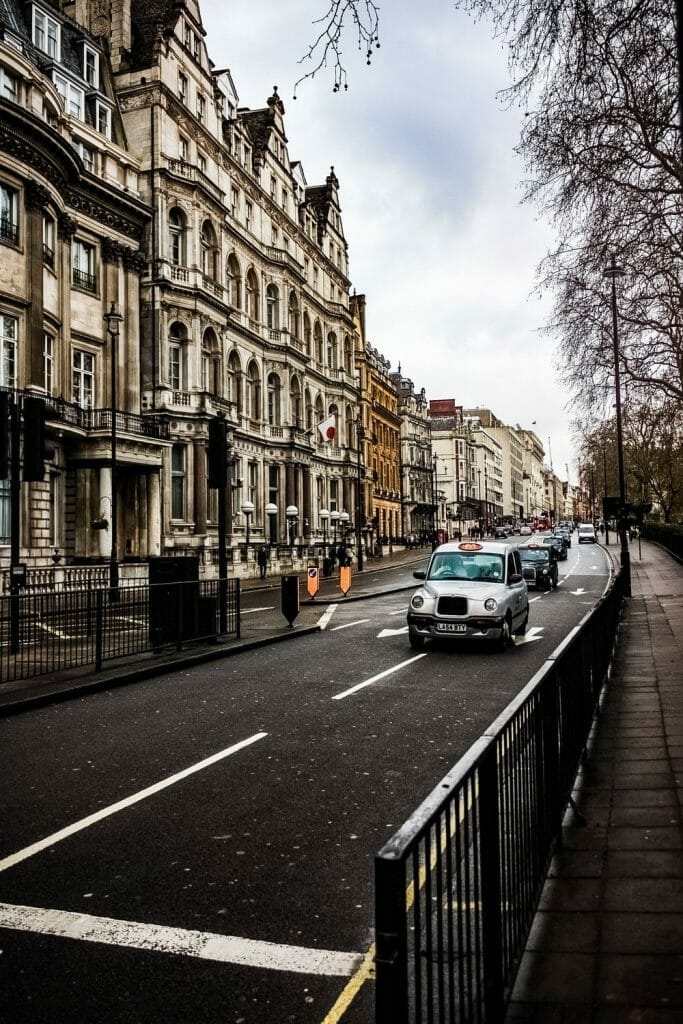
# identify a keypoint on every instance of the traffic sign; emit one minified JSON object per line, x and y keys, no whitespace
{"x":312,"y":580}
{"x":345,"y":579}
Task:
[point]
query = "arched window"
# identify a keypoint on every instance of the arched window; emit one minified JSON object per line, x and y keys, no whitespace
{"x":295,"y":403}
{"x":274,"y":410}
{"x":307,"y":333}
{"x":310,"y":419}
{"x":332,"y":350}
{"x":293,"y":315}
{"x":235,"y":381}
{"x":233,"y":276}
{"x":209,"y":247}
{"x":349,"y":427}
{"x":348,"y":355}
{"x":177,"y":347}
{"x":254,"y":391}
{"x":273,"y":307}
{"x":177,"y":230}
{"x":211,"y":363}
{"x":318,"y":341}
{"x":253,"y":304}
{"x":319,"y":413}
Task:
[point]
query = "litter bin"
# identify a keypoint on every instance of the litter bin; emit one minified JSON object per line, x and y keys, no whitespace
{"x":173,"y":600}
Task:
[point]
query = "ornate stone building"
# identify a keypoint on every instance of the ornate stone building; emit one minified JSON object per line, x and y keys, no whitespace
{"x":71,"y":229}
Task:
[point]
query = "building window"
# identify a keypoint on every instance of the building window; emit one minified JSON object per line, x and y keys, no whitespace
{"x":201,"y":163}
{"x":183,"y":149}
{"x":73,"y":96}
{"x":273,"y":187}
{"x":103,"y":119}
{"x":247,"y":157}
{"x":83,"y":379}
{"x":248,"y":214}
{"x":182,"y":87}
{"x":86,"y":154}
{"x":176,"y":230}
{"x":273,"y":307}
{"x":9,"y":86}
{"x":48,"y":241}
{"x":175,"y":362}
{"x":8,"y":340}
{"x":209,"y":251}
{"x":46,"y":33}
{"x":201,"y":107}
{"x":253,"y":305}
{"x":178,"y":475}
{"x":48,"y":361}
{"x":234,"y":201}
{"x":9,"y":214}
{"x":83,"y":266}
{"x":274,"y":411}
{"x":91,"y":71}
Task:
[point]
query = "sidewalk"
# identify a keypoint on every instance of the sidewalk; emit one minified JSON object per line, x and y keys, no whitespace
{"x":606,"y":946}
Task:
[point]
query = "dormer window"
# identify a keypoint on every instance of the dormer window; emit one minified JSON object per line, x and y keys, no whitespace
{"x":47,"y":33}
{"x":91,"y":67}
{"x":103,"y":119}
{"x":73,"y":96}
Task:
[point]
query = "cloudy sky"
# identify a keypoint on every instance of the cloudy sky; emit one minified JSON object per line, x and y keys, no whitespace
{"x":430,"y":194}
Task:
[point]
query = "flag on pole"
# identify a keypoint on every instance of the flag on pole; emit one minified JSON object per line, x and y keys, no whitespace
{"x":328,"y":428}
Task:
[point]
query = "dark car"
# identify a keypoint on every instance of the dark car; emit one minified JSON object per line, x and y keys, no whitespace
{"x":553,"y":540}
{"x":539,"y":565}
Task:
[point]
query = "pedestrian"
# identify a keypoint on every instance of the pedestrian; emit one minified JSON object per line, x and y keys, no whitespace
{"x":262,"y":560}
{"x":341,"y":555}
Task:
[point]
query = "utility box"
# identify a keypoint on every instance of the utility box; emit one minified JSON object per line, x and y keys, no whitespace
{"x":173,"y":600}
{"x":290,"y":597}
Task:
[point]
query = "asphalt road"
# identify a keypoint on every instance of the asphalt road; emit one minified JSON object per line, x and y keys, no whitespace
{"x":199,"y":847}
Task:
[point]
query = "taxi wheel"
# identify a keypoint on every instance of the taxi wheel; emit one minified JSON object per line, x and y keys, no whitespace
{"x":505,"y":636}
{"x":416,"y":641}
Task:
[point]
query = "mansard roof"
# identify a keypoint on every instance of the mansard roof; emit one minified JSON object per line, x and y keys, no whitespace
{"x":150,"y":21}
{"x":261,"y":123}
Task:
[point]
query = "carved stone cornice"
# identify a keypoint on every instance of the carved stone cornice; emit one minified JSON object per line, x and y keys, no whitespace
{"x":112,"y":251}
{"x":134,"y":260}
{"x":36,"y":197}
{"x":66,"y":227}
{"x":108,"y":216}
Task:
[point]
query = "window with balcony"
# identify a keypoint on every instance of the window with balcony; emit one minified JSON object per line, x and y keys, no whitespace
{"x":9,"y":327}
{"x":177,"y":223}
{"x":274,"y":409}
{"x":47,"y":33}
{"x":209,"y":251}
{"x":254,"y":391}
{"x":235,"y":381}
{"x":177,"y":344}
{"x":273,"y":307}
{"x":211,"y":363}
{"x":9,"y":214}
{"x":83,"y":378}
{"x":234,"y":281}
{"x":253,"y":297}
{"x":83,"y":266}
{"x":183,"y":149}
{"x":293,"y":318}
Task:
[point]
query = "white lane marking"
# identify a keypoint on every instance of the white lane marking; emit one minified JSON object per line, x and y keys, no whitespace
{"x":578,"y":592}
{"x":120,"y":805}
{"x":531,"y":634}
{"x":375,"y":679}
{"x":392,"y":632}
{"x":326,"y":616}
{"x":537,"y":598}
{"x":230,"y":949}
{"x":250,"y":611}
{"x":401,"y":611}
{"x":347,"y":625}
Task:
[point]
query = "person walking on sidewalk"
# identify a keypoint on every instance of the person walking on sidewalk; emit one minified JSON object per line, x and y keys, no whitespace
{"x":262,"y":560}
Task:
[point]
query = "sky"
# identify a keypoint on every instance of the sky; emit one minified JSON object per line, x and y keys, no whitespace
{"x":430,"y":191}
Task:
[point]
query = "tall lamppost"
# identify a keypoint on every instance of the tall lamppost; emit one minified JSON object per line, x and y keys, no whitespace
{"x":247,"y":512}
{"x":344,"y":521}
{"x":434,"y":541}
{"x":359,"y":494}
{"x":334,"y":519}
{"x":292,"y":513}
{"x":614,"y":271}
{"x":324,"y":515}
{"x":113,"y":320}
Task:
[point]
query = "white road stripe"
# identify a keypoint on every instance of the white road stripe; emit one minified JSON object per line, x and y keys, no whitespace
{"x":105,"y":812}
{"x":347,"y":625}
{"x":179,"y":941}
{"x":250,"y":611}
{"x":375,"y":679}
{"x":326,"y":616}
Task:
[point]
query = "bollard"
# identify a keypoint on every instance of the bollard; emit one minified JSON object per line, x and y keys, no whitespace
{"x":290,"y":598}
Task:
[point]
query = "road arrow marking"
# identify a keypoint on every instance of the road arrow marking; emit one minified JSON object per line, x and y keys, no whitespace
{"x":530,"y":635}
{"x":392,"y":632}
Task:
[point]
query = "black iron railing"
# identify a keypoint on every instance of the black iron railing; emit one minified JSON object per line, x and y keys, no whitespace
{"x":47,"y":632}
{"x":458,"y":885}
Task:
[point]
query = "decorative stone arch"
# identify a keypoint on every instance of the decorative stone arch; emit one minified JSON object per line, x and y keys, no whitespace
{"x":318,"y":341}
{"x":273,"y":307}
{"x":293,"y":315}
{"x":254,"y":391}
{"x":332,"y":351}
{"x":208,"y":240}
{"x":274,"y":394}
{"x":210,"y":365}
{"x":308,"y":333}
{"x":177,"y":236}
{"x":233,"y":279}
{"x":347,"y":355}
{"x":296,"y":402}
{"x":253,"y":295}
{"x":235,"y":392}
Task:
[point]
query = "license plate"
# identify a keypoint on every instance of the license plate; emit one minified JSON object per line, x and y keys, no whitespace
{"x":451,"y":627}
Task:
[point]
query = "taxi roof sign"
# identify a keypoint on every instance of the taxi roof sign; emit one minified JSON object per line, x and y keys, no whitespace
{"x":469,"y":545}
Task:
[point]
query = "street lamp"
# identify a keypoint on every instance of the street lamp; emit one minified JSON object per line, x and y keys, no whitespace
{"x":270,"y":510}
{"x":334,"y":519}
{"x":292,"y":513}
{"x":360,"y":504}
{"x":324,"y":516}
{"x":248,"y":511}
{"x":344,"y":520}
{"x":613,"y":271}
{"x":434,"y":543}
{"x":113,"y":320}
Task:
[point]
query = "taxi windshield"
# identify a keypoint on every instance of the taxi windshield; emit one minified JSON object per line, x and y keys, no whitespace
{"x":466,"y":566}
{"x":534,"y":555}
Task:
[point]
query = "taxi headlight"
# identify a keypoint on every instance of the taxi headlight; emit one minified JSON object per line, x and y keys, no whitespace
{"x":490,"y":604}
{"x":417,"y":601}
{"x":545,"y":572}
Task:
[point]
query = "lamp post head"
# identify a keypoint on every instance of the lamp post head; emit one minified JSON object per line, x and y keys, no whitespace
{"x":344,"y":517}
{"x":324,"y":514}
{"x":271,"y":509}
{"x":613,"y":270}
{"x":334,"y":516}
{"x":113,"y":320}
{"x":291,"y":511}
{"x":247,"y":507}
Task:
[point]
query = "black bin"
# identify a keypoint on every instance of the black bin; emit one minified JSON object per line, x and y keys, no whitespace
{"x":173,"y":599}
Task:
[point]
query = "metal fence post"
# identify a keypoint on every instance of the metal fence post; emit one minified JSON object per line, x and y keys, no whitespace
{"x":391,"y":936}
{"x":492,"y":917}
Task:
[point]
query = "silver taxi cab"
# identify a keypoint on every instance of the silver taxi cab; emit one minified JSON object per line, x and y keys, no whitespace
{"x":472,"y":589}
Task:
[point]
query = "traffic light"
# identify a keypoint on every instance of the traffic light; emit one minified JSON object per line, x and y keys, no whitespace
{"x":34,"y":438}
{"x":218,"y":453}
{"x":4,"y":434}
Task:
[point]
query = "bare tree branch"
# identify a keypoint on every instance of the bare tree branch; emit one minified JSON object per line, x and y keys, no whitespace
{"x":327,"y":49}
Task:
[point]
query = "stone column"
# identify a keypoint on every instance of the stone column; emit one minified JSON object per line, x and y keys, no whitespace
{"x":199,"y":449}
{"x":154,"y":514}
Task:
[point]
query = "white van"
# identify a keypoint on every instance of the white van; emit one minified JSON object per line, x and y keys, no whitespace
{"x":587,"y":534}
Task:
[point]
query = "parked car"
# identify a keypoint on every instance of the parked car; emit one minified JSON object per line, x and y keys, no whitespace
{"x":539,"y":565}
{"x":474,"y":589}
{"x":587,"y":534}
{"x":525,"y":531}
{"x":556,"y":542}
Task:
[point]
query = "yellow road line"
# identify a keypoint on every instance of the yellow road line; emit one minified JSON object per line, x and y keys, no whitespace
{"x":366,"y":972}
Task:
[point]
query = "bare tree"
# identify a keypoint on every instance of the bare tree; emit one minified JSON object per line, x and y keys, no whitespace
{"x":327,"y":49}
